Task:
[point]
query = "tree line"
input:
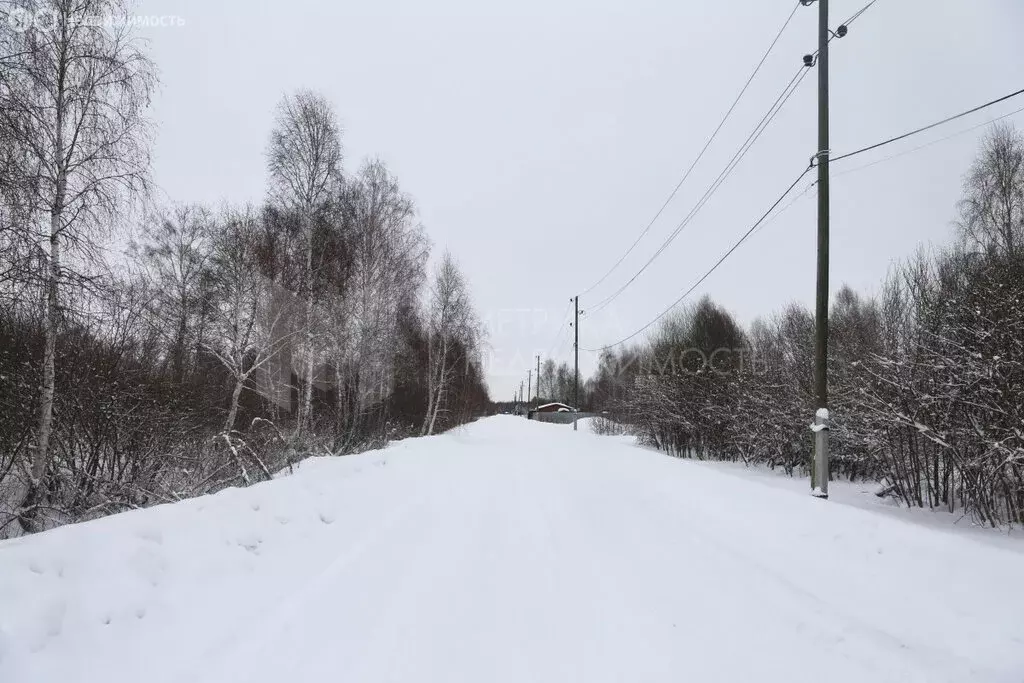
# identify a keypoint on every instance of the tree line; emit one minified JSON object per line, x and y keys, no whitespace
{"x":223,"y":344}
{"x":925,"y":378}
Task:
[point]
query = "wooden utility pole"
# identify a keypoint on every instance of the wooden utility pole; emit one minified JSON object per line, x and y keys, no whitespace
{"x":576,"y":364}
{"x":820,"y":469}
{"x":529,"y":387}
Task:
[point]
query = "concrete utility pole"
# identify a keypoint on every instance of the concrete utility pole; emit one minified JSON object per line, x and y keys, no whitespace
{"x":576,"y":373}
{"x":820,"y":466}
{"x":538,"y":379}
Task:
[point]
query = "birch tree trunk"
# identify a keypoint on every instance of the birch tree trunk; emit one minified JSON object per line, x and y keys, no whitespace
{"x":236,"y":394}
{"x":430,"y":386}
{"x":306,"y":408}
{"x":440,"y":387}
{"x":48,"y":386}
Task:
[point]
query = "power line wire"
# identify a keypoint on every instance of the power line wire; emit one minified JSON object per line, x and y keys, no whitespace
{"x":798,"y":78}
{"x":763,"y":218}
{"x":561,"y":346}
{"x":737,"y":158}
{"x":786,"y":208}
{"x":859,"y":12}
{"x":558,"y":332}
{"x":713,"y":268}
{"x":700,"y":155}
{"x":930,"y":126}
{"x":926,"y":145}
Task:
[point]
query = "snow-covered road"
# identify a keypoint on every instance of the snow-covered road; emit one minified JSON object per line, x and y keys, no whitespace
{"x":508,"y":551}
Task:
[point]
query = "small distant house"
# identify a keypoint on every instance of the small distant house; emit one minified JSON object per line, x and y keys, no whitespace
{"x":550,"y":408}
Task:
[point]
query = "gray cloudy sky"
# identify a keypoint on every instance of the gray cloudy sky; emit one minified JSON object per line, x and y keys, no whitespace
{"x":539,"y":137}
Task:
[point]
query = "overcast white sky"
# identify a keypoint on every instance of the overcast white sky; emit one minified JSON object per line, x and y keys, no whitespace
{"x":540,"y":136}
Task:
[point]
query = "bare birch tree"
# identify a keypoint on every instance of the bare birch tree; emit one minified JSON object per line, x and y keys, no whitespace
{"x":304,"y":161}
{"x":992,"y":210}
{"x":73,"y":101}
{"x":174,"y":251}
{"x":452,"y":324}
{"x":387,"y":251}
{"x":245,"y":316}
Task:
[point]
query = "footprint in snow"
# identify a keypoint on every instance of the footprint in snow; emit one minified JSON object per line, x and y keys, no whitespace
{"x":251,"y":543}
{"x":152,"y":534}
{"x":148,"y":564}
{"x":53,"y":618}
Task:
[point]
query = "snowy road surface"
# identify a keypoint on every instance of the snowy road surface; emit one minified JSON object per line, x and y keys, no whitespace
{"x":508,"y":551}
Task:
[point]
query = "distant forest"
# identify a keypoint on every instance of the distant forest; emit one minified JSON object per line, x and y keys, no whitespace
{"x":228,"y":342}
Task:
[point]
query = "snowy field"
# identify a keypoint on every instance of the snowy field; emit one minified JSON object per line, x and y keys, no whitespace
{"x":511,"y":551}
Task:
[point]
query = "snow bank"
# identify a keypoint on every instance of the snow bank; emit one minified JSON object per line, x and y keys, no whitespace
{"x":170,"y":584}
